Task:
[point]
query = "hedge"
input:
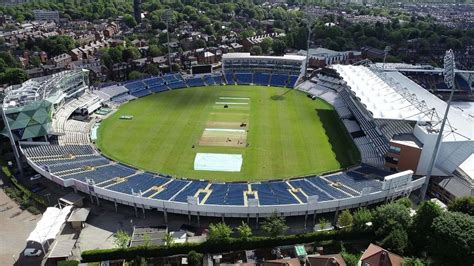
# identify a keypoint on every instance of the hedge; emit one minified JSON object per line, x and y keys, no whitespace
{"x":40,"y":200}
{"x":231,"y":244}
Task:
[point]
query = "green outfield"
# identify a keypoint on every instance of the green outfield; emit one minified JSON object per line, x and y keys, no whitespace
{"x":278,"y":137}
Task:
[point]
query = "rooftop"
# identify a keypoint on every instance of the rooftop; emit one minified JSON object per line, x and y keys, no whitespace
{"x":248,"y":56}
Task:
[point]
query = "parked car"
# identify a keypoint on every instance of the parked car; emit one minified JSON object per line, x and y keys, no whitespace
{"x":37,"y":188}
{"x":32,"y":252}
{"x":35,"y":177}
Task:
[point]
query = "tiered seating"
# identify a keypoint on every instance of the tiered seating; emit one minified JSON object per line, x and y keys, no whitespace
{"x":279,"y":80}
{"x":292,"y":81}
{"x":102,"y":174}
{"x":190,"y":190}
{"x":76,"y":132}
{"x":274,"y":193}
{"x":195,"y":82}
{"x":171,"y":189}
{"x":137,"y":88}
{"x":63,"y":113}
{"x":261,"y":78}
{"x":56,"y":151}
{"x":227,"y":194}
{"x":153,"y":82}
{"x":462,"y":84}
{"x":243,"y":78}
{"x":123,"y":98}
{"x":141,"y":93}
{"x":229,"y":78}
{"x":160,"y":88}
{"x":310,"y":190}
{"x":218,"y":79}
{"x":325,"y":186}
{"x":138,"y":183}
{"x":79,"y":163}
{"x":209,"y":80}
{"x":356,"y":181}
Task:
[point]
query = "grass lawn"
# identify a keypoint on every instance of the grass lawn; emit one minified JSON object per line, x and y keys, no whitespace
{"x":287,"y":137}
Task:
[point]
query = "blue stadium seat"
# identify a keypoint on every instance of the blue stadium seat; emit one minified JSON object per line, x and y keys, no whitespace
{"x":218,"y":79}
{"x":279,"y":80}
{"x":243,"y":78}
{"x":159,"y":88}
{"x":310,"y":190}
{"x":325,"y":186}
{"x":229,"y":78}
{"x":209,"y":80}
{"x":190,"y":190}
{"x":261,"y":78}
{"x":138,"y":183}
{"x":171,"y":189}
{"x":141,"y":93}
{"x":292,"y":81}
{"x":195,"y":82}
{"x":178,"y":84}
{"x":135,"y":86}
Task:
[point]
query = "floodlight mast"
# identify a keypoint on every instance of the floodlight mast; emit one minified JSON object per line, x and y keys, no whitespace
{"x":385,"y":53}
{"x":449,"y":72}
{"x":167,"y":17}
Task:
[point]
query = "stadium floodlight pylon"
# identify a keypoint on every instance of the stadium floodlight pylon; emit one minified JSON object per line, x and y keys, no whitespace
{"x":167,"y":17}
{"x":449,"y":73}
{"x":385,"y":53}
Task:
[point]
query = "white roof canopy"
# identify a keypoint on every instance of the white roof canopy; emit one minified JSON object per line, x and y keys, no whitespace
{"x":377,"y":96}
{"x":48,"y":227}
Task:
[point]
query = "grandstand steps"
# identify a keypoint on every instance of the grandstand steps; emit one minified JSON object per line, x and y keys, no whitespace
{"x":155,"y":190}
{"x":337,"y":186}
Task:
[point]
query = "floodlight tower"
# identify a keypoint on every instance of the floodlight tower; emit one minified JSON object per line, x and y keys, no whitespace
{"x":385,"y":53}
{"x":167,"y":17}
{"x":449,"y":68}
{"x":309,"y":24}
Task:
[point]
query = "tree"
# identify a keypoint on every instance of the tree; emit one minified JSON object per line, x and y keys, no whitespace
{"x":57,"y":45}
{"x":130,"y":53}
{"x":256,"y":50}
{"x":323,"y":224}
{"x":410,"y":261}
{"x":345,"y":219}
{"x":266,"y":44}
{"x":121,"y":239}
{"x":422,"y":221}
{"x":129,"y":20}
{"x":9,"y":60}
{"x":396,"y":240}
{"x":389,"y":217}
{"x":135,"y":75}
{"x":361,"y":217}
{"x":168,"y":239}
{"x":152,"y":69}
{"x":3,"y":65}
{"x":194,"y":258}
{"x":278,"y":47}
{"x":244,"y":231}
{"x":463,"y":204}
{"x":453,"y":238}
{"x":274,"y":225}
{"x":219,"y":231}
{"x":154,"y":51}
{"x":404,"y":201}
{"x":14,"y":76}
{"x":35,"y":61}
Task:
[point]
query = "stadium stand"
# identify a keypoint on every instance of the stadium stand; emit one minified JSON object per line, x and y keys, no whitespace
{"x":261,"y":78}
{"x":243,"y":78}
